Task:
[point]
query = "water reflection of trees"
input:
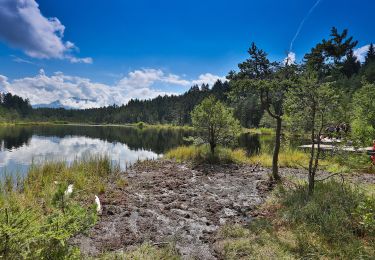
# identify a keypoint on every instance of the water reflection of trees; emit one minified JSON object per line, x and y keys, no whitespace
{"x":14,"y":137}
{"x":158,"y":140}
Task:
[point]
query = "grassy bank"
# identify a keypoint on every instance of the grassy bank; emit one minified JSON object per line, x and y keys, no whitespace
{"x":37,"y":216}
{"x":336,"y":223}
{"x":288,"y":157}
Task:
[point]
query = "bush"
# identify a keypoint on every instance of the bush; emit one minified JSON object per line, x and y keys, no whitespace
{"x":37,"y":218}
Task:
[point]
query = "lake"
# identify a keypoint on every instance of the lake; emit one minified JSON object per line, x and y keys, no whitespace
{"x":20,"y":146}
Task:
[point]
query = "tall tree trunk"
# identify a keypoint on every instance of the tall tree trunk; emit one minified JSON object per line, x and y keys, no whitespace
{"x":275,"y":158}
{"x":312,"y":154}
{"x":212,"y":148}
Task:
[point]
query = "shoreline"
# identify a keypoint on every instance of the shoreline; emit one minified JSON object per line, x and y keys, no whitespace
{"x":140,"y":125}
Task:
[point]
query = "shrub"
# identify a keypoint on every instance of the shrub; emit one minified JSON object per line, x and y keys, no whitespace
{"x":36,"y":217}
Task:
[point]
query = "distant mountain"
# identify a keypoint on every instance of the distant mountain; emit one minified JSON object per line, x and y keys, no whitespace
{"x":58,"y":104}
{"x":55,"y":104}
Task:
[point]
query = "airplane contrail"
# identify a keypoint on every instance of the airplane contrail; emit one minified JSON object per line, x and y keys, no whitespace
{"x":303,"y":22}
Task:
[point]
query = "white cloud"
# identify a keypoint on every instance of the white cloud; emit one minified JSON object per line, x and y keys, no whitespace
{"x":78,"y":92}
{"x":290,"y":59}
{"x":361,"y":52}
{"x":207,"y":78}
{"x":23,"y":26}
{"x":39,"y":149}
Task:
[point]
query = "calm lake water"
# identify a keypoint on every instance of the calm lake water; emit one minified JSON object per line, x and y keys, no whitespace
{"x":22,"y":145}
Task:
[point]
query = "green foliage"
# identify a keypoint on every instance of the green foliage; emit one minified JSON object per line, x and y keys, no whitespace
{"x":215,"y":123}
{"x":338,"y":48}
{"x":365,"y":215}
{"x":13,"y":104}
{"x":27,"y":233}
{"x":37,"y":218}
{"x":311,"y":105}
{"x":329,"y":225}
{"x":202,"y":154}
{"x":330,"y":214}
{"x":364,"y":116}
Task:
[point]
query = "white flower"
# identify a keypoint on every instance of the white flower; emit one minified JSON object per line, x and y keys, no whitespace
{"x":69,"y":190}
{"x":98,"y":205}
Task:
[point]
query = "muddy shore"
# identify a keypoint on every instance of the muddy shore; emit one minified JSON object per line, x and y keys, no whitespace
{"x":178,"y":203}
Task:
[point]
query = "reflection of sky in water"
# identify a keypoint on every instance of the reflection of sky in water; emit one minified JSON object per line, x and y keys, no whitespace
{"x":69,"y":148}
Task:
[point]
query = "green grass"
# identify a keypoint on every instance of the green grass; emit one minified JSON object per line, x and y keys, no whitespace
{"x":336,"y":223}
{"x":202,"y":153}
{"x":37,"y":218}
{"x":288,"y":157}
{"x":145,"y":252}
{"x":260,"y":131}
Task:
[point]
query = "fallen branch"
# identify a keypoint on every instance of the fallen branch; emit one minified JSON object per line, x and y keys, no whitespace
{"x":332,"y":175}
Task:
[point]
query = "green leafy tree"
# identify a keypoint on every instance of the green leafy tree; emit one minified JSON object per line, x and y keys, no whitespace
{"x":269,"y":82}
{"x":215,"y":123}
{"x":311,"y":106}
{"x":364,"y":116}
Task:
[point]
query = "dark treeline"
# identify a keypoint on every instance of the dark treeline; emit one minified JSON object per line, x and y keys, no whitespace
{"x":13,"y":107}
{"x":160,"y":110}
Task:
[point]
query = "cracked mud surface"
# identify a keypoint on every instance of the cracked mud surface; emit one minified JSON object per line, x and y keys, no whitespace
{"x":169,"y":202}
{"x":166,"y":202}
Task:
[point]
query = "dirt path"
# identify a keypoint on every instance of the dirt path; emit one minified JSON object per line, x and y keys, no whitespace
{"x":170,"y":202}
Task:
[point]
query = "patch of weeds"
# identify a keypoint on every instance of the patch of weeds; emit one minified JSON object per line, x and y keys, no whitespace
{"x":144,"y":252}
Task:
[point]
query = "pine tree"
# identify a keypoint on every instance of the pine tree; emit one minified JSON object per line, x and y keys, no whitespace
{"x":351,"y":65}
{"x":370,"y":57}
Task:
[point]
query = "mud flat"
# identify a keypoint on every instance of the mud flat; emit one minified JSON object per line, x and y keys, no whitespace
{"x":167,"y":202}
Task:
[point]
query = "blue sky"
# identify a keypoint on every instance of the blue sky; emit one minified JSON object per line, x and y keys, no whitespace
{"x":139,"y":49}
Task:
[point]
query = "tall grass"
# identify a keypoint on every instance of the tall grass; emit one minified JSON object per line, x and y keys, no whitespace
{"x":287,"y":157}
{"x":202,"y":153}
{"x":37,"y":218}
{"x":336,"y":223}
